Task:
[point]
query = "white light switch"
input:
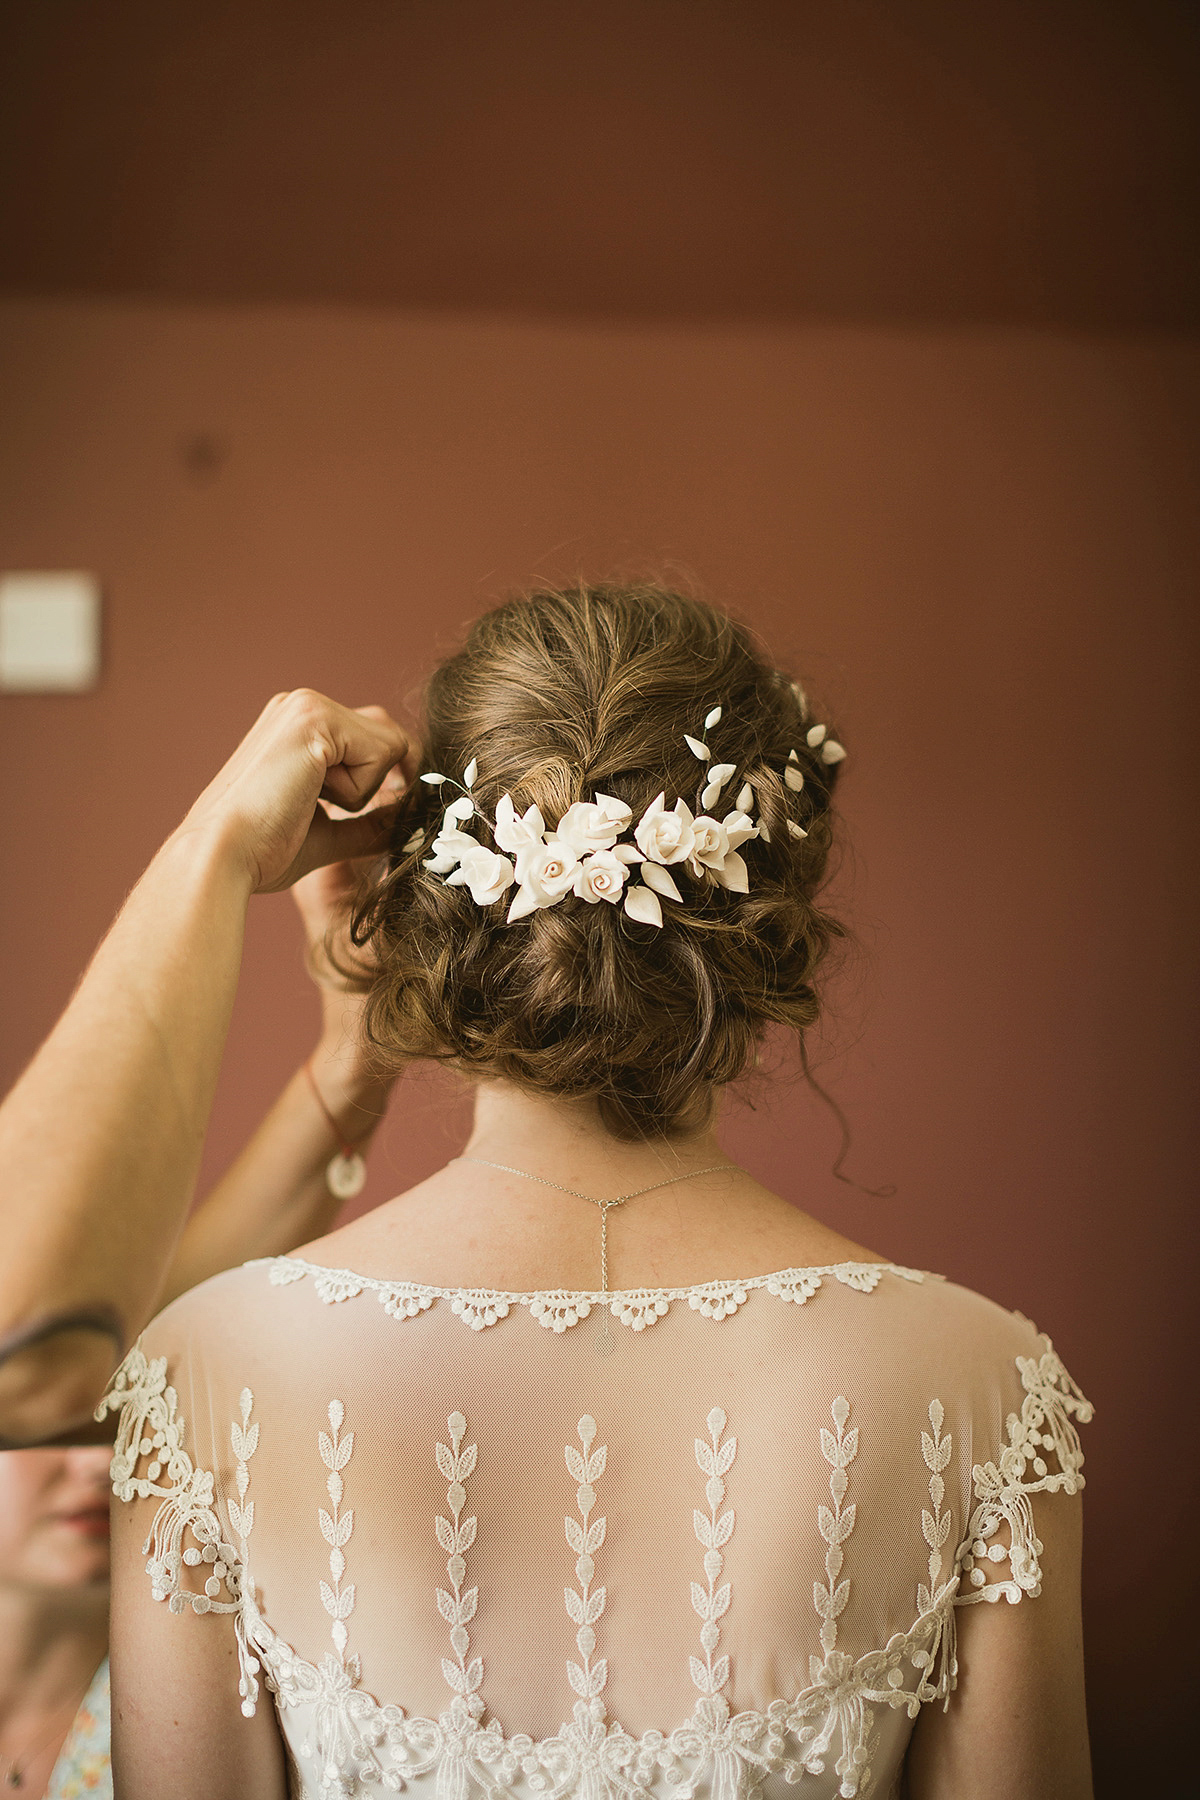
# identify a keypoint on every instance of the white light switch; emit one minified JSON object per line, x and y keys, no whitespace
{"x":49,"y":631}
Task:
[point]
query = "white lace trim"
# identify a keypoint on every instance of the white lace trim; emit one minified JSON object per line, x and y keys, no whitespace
{"x":557,"y":1309}
{"x":357,"y":1741}
{"x":152,"y":1426}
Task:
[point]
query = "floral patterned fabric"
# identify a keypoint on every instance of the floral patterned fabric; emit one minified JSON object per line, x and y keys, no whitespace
{"x":83,"y":1764}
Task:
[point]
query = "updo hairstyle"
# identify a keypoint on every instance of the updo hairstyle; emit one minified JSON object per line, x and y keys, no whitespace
{"x":557,"y":695}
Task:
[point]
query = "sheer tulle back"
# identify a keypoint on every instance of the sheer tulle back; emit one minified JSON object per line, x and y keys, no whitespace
{"x":730,"y":1549}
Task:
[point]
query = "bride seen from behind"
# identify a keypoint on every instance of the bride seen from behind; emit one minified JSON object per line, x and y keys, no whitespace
{"x":780,"y":1461}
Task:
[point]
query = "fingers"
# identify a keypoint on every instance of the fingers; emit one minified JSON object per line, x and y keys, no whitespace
{"x":350,"y":839}
{"x":359,"y":747}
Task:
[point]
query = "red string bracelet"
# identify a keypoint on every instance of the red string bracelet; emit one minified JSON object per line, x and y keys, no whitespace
{"x":347,"y":1172}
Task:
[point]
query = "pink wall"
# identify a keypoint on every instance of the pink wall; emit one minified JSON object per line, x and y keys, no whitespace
{"x":979,"y":547}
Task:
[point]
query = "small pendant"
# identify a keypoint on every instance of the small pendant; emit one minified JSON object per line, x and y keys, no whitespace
{"x":346,"y":1175}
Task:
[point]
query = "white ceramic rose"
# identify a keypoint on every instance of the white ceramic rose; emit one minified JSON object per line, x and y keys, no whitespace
{"x":546,"y":872}
{"x":449,"y":848}
{"x":601,"y":876}
{"x":665,"y":837}
{"x":593,"y":824}
{"x":710,"y":846}
{"x":517,"y":831}
{"x":485,"y":872}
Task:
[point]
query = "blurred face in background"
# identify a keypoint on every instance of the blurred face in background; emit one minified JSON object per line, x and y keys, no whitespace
{"x":54,"y":1519}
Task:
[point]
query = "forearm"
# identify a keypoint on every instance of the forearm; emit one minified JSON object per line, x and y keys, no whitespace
{"x":100,"y":1140}
{"x":275,"y":1195}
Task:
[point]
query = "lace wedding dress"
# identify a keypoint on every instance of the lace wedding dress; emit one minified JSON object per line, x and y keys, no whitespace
{"x":708,"y":1542}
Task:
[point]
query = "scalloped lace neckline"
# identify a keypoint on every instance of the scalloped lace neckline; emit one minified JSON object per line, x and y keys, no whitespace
{"x":559,"y":1308}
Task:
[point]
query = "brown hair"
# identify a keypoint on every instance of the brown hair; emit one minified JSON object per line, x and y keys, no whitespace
{"x":558,"y":694}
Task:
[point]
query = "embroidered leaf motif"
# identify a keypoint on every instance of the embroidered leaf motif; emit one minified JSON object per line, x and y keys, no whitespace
{"x":245,"y":1443}
{"x":445,"y":1462}
{"x":574,"y":1605}
{"x":466,"y":1462}
{"x":445,"y":1534}
{"x":575,"y":1464}
{"x":454,"y":1675}
{"x":578,"y":1680}
{"x":574,"y":1535}
{"x":598,"y":1677}
{"x":466,"y":1535}
{"x":714,"y":1460}
{"x":595,"y":1536}
{"x":595,"y":1606}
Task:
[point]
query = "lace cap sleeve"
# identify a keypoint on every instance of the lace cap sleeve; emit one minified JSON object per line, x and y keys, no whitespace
{"x":196,"y":1545}
{"x":1040,"y":1454}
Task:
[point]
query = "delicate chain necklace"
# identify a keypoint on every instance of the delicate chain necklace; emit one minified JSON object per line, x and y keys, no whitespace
{"x":14,"y":1775}
{"x":605,"y":1344}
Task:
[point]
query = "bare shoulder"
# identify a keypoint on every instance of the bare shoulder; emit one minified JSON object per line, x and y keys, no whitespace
{"x":446,"y":1232}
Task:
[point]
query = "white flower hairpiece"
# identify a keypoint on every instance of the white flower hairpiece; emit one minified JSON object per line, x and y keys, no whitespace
{"x":583,"y":855}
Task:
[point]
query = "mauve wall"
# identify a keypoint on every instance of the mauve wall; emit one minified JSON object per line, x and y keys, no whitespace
{"x":981,"y":550}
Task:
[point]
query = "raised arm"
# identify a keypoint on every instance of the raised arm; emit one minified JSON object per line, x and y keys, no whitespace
{"x":275,"y":1195}
{"x":100,"y":1140}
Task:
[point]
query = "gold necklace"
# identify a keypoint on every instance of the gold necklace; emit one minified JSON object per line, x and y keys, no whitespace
{"x":605,"y":1343}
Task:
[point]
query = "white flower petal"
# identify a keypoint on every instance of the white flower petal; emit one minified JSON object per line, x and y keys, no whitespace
{"x":745,"y":799}
{"x":697,"y":748}
{"x":642,"y":905}
{"x":712,"y":718}
{"x":524,"y":901}
{"x":792,"y":757}
{"x":721,"y":772}
{"x":434,"y":780}
{"x":413,"y":843}
{"x":458,"y":809}
{"x":470,"y":772}
{"x":831,"y":751}
{"x":815,"y":735}
{"x":733,"y":873}
{"x":661,"y":880}
{"x":738,"y":828}
{"x":797,"y":831}
{"x":617,"y":810}
{"x":794,"y":778}
{"x":763,"y":833}
{"x":711,"y":794}
{"x":627,"y":854}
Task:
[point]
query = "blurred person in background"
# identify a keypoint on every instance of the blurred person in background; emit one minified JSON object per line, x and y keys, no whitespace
{"x":54,"y":1502}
